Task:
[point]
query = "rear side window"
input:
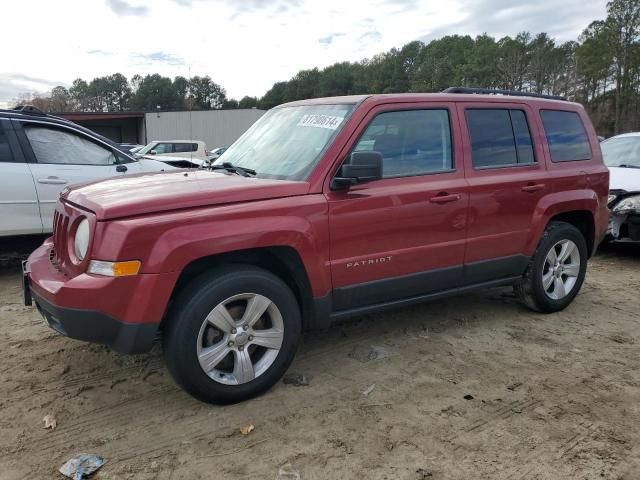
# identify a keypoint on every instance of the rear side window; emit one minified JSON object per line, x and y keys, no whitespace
{"x":51,"y":145}
{"x":412,"y":142}
{"x":6,"y":154}
{"x":184,"y":147}
{"x":499,"y":137}
{"x":566,"y":136}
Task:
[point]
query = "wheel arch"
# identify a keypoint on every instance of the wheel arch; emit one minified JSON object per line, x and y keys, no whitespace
{"x":283,"y":261}
{"x":576,"y":207}
{"x":583,"y":220}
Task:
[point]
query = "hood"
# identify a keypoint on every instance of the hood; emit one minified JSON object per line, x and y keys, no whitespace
{"x":627,"y":179}
{"x":164,"y":191}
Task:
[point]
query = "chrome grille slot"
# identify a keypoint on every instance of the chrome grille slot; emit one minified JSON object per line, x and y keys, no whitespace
{"x":60,"y":225}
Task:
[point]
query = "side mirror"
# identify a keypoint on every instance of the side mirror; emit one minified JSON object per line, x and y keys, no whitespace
{"x":362,"y":167}
{"x":153,"y":152}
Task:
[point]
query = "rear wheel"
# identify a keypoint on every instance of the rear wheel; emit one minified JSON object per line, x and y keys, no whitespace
{"x":556,"y":272}
{"x":232,"y":334}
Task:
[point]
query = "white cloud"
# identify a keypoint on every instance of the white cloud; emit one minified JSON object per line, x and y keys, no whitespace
{"x":246,"y":45}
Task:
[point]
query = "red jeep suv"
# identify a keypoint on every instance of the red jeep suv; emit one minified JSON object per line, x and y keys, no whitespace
{"x":326,"y":209}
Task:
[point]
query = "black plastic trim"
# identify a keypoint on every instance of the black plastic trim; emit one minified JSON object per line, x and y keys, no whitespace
{"x":379,"y":307}
{"x":96,"y":327}
{"x":353,"y":296}
{"x":494,"y":269}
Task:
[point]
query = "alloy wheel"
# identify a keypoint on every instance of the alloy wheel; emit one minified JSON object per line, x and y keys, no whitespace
{"x":240,"y":339}
{"x":561,"y":269}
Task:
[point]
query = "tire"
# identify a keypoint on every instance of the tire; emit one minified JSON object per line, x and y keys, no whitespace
{"x":535,"y":289}
{"x":198,"y":330}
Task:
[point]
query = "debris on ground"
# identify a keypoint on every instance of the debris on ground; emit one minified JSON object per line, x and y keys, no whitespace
{"x":366,"y":354}
{"x":50,"y":422}
{"x":287,"y":472}
{"x":468,"y":397}
{"x":295,"y":379}
{"x":422,"y":474}
{"x":514,"y":386}
{"x":81,"y":466}
{"x":369,"y":389}
{"x":247,"y":429}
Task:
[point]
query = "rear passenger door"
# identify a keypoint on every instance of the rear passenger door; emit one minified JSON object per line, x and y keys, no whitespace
{"x":19,"y":212}
{"x":59,"y":156}
{"x":507,"y":176}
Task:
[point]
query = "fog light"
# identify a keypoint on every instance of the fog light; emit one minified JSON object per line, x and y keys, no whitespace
{"x":114,"y":269}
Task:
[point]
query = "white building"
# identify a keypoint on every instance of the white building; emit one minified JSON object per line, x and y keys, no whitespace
{"x":217,"y":128}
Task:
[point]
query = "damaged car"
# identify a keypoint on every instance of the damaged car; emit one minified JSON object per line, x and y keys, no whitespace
{"x":622,"y":155}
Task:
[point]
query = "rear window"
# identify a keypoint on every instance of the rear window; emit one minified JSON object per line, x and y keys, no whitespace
{"x":499,"y":137}
{"x":566,"y":136}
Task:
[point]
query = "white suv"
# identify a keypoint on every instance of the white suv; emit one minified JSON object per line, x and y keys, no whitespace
{"x":39,"y":155}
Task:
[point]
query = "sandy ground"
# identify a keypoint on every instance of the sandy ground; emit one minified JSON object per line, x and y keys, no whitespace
{"x":548,"y":396}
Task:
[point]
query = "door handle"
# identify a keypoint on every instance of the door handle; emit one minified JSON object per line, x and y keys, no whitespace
{"x":533,"y":187}
{"x":444,"y":197}
{"x":52,"y":180}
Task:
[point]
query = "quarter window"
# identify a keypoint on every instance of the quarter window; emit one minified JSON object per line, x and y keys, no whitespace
{"x":412,"y":142}
{"x":56,"y":146}
{"x":566,"y":136}
{"x":499,"y":137}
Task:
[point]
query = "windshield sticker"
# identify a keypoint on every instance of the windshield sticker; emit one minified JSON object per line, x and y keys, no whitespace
{"x":320,"y":121}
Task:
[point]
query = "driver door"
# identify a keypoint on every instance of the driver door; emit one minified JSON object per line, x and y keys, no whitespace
{"x":403,"y":235}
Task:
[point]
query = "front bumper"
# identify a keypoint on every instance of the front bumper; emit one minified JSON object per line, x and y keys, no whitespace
{"x":123,"y":313}
{"x":624,"y":227}
{"x":96,"y":327}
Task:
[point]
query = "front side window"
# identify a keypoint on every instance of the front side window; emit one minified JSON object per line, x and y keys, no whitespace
{"x":52,"y":145}
{"x":499,"y":137}
{"x":566,"y":136}
{"x":621,"y":152}
{"x":287,"y":142}
{"x":412,"y":142}
{"x":163,"y":148}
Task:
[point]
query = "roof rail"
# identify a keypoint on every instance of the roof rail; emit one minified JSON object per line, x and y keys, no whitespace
{"x":29,"y":110}
{"x":492,"y":91}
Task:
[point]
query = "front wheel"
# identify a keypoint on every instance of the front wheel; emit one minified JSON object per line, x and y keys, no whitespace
{"x":556,"y":272}
{"x":232,"y":334}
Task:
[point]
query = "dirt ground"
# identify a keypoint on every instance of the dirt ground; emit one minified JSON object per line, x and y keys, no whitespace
{"x":476,"y":387}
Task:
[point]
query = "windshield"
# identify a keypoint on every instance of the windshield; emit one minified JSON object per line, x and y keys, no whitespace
{"x":621,"y":151}
{"x":148,"y":148}
{"x":287,"y":142}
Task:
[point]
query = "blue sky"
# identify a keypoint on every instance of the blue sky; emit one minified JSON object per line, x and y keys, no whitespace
{"x":246,"y":45}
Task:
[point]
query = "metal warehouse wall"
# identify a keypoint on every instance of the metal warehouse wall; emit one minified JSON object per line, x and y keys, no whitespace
{"x":217,"y":128}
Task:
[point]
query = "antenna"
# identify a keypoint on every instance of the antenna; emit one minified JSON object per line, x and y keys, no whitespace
{"x":190,"y":123}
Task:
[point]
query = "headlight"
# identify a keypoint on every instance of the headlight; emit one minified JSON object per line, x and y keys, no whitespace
{"x":81,"y":241}
{"x":628,"y":205}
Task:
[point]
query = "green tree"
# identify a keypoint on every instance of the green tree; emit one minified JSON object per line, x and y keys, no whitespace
{"x":205,"y":93}
{"x":248,"y":102}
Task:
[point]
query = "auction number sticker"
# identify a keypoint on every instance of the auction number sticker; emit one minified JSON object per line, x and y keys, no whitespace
{"x":320,"y":121}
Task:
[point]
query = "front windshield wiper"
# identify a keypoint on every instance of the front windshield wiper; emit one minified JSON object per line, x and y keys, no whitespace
{"x":626,"y":165}
{"x":229,"y":167}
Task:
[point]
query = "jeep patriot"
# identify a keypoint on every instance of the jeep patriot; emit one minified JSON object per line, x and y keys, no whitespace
{"x":325,"y":209}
